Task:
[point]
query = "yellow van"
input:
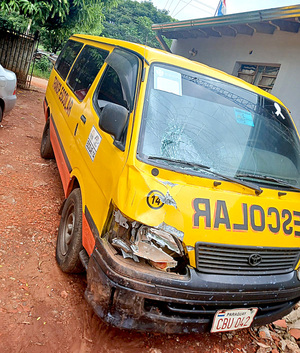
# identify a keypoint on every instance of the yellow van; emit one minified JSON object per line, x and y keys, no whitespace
{"x":182,"y":189}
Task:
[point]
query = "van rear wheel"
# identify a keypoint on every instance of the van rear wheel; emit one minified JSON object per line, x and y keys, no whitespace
{"x":69,"y":239}
{"x":46,"y":147}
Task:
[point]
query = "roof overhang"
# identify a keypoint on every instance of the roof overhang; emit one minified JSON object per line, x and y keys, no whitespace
{"x":285,"y":18}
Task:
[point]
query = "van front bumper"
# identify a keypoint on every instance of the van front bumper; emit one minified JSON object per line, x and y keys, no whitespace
{"x":130,"y":295}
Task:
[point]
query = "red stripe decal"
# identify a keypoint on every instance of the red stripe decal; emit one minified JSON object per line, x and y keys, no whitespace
{"x":88,"y":240}
{"x":60,"y":160}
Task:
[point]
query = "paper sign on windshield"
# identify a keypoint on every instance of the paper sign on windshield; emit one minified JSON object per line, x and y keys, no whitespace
{"x":167,"y":81}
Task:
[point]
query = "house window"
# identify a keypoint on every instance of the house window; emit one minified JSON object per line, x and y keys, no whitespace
{"x":263,"y":76}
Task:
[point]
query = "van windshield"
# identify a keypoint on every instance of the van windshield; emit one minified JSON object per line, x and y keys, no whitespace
{"x":219,"y":126}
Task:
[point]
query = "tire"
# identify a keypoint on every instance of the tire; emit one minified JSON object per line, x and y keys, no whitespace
{"x":69,"y":239}
{"x":46,"y":147}
{"x":1,"y":114}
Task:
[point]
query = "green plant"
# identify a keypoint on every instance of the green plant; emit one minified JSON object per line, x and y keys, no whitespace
{"x":42,"y":67}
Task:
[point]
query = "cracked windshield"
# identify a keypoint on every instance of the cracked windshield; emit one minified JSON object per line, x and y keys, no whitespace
{"x":198,"y":124}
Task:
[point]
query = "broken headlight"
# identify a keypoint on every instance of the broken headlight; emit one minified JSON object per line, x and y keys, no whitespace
{"x":139,"y":242}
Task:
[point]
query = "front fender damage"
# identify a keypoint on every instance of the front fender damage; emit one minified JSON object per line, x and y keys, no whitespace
{"x":119,"y":298}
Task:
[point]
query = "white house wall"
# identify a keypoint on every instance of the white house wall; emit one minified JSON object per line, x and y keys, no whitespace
{"x":280,"y":48}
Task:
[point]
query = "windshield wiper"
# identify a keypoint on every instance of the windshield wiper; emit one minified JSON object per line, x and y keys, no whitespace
{"x":181,"y":162}
{"x":268,"y":178}
{"x":254,"y":187}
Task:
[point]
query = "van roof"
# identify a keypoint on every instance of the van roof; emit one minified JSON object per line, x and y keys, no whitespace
{"x":158,"y":55}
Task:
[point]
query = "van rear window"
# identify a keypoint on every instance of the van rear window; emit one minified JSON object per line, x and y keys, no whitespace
{"x":67,"y":57}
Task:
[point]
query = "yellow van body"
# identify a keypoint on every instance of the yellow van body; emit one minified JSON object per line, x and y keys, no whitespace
{"x":171,"y":248}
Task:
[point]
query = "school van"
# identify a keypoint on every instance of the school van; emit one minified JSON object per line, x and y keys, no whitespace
{"x":182,"y":189}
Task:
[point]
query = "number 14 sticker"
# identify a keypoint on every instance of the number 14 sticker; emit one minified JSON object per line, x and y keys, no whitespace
{"x":154,"y":199}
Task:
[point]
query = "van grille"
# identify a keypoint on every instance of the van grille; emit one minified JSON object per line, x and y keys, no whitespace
{"x":238,"y":260}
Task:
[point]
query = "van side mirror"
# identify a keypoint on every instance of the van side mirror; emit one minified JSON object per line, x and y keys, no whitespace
{"x":113,"y":119}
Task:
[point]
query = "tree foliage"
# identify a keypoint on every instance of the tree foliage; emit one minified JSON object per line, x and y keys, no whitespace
{"x":55,"y":12}
{"x":79,"y":20}
{"x":132,"y":21}
{"x":58,"y":19}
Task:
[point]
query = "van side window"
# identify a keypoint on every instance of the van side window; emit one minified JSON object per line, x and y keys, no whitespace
{"x":118,"y":83}
{"x":111,"y":89}
{"x":85,"y":69}
{"x":67,"y":57}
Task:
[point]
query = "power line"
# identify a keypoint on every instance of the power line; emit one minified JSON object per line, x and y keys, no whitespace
{"x":183,"y":8}
{"x":197,"y":7}
{"x":202,"y":3}
{"x":175,"y":7}
{"x":171,"y":1}
{"x":165,"y":7}
{"x":201,"y":8}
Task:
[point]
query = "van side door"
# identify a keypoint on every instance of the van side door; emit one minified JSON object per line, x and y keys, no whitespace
{"x":85,"y":69}
{"x":79,"y":82}
{"x":75,"y":71}
{"x":105,"y":157}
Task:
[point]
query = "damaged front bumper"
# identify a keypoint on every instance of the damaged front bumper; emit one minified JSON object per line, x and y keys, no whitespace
{"x":135,"y":296}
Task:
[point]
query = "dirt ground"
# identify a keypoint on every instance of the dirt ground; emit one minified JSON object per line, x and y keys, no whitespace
{"x":41,"y":308}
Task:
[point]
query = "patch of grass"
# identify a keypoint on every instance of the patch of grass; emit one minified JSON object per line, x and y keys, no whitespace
{"x":42,"y":68}
{"x":41,"y":73}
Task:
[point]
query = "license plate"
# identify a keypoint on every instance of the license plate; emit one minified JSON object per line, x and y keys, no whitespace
{"x":234,"y":319}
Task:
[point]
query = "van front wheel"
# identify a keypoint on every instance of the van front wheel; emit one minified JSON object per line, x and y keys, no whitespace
{"x":69,"y":239}
{"x":46,"y":147}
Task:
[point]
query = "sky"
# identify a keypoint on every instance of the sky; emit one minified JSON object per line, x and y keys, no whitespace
{"x":192,"y":9}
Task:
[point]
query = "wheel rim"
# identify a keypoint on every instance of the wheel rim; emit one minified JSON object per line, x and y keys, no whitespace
{"x":68,"y":230}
